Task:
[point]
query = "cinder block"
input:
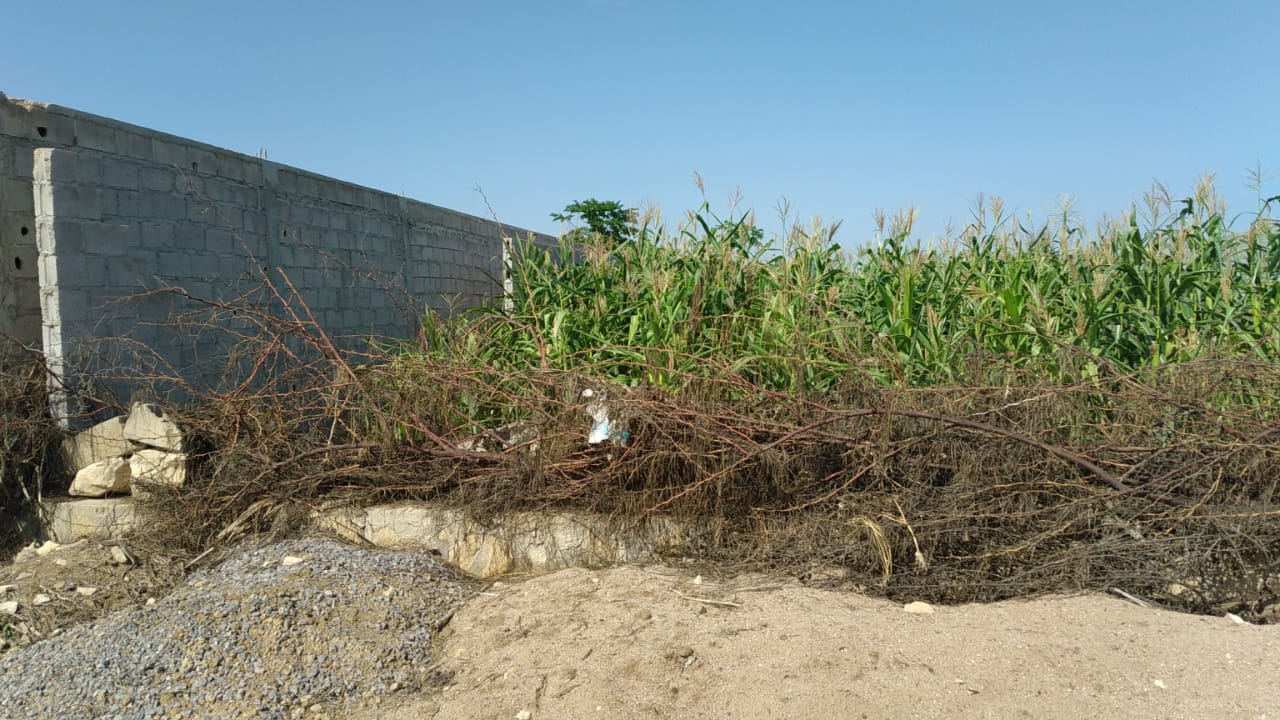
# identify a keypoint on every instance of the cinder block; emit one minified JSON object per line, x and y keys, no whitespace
{"x":109,"y":239}
{"x":255,"y":222}
{"x":287,"y":181}
{"x":253,"y":174}
{"x":77,"y":201}
{"x":202,"y":161}
{"x":23,"y":161}
{"x":95,"y":135}
{"x":134,"y":144}
{"x":220,"y":241}
{"x":130,"y":203}
{"x":189,"y":236}
{"x":130,"y":273}
{"x":233,"y":168}
{"x":18,"y":195}
{"x":119,"y":174}
{"x":308,"y":186}
{"x":156,"y":235}
{"x":166,"y":205}
{"x":157,"y":178}
{"x":201,"y":211}
{"x":169,"y":153}
{"x":177,"y":265}
{"x":46,"y":128}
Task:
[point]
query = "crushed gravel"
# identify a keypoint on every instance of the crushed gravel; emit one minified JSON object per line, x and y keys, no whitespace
{"x":303,"y":628}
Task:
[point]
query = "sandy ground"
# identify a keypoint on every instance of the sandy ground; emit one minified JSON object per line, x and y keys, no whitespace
{"x":653,"y":643}
{"x":650,"y":642}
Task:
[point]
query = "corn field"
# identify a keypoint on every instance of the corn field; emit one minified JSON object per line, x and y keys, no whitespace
{"x":801,"y":314}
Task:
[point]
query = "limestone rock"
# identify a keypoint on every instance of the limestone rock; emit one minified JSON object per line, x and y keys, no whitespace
{"x":149,"y":425}
{"x":101,"y":442}
{"x":918,"y":608}
{"x":9,"y":607}
{"x":481,"y":555}
{"x":71,"y":520}
{"x":47,"y":547}
{"x":158,"y":467}
{"x":101,"y":478}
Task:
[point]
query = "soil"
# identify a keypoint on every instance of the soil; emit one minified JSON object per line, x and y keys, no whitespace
{"x":649,"y":642}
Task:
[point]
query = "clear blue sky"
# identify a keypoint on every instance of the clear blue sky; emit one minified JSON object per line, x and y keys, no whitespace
{"x":842,"y":107}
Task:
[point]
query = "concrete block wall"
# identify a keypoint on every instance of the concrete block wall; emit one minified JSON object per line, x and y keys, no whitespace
{"x":19,"y":282}
{"x":96,"y":214}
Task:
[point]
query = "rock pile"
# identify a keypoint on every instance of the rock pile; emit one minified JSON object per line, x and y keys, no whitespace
{"x":305,"y":628}
{"x":125,"y":454}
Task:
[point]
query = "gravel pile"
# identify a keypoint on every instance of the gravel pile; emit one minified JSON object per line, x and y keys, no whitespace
{"x":303,"y":628}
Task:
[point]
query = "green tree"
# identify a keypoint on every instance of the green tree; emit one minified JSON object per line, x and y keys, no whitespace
{"x":607,"y":218}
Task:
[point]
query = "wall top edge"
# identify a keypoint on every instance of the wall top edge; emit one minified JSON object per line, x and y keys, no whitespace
{"x":74,"y":114}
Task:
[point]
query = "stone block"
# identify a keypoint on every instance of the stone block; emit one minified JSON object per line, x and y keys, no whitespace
{"x":536,"y":542}
{"x":158,"y":467}
{"x":149,"y":425}
{"x":101,"y":479}
{"x":481,"y":555}
{"x":70,"y":520}
{"x":101,"y":442}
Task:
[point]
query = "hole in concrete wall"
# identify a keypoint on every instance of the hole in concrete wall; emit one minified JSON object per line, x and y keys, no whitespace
{"x":195,"y":166}
{"x":284,"y":233}
{"x":17,"y":263}
{"x":42,"y":131}
{"x":24,"y":230}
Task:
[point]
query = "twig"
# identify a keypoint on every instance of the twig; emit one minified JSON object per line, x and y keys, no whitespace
{"x":197,"y":558}
{"x":708,"y":601}
{"x":1135,"y":600}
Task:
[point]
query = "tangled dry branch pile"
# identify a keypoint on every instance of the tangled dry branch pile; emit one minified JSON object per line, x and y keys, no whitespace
{"x":1161,"y":483}
{"x":29,"y":461}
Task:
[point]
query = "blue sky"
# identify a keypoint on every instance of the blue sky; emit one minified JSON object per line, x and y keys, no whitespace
{"x":841,"y":107}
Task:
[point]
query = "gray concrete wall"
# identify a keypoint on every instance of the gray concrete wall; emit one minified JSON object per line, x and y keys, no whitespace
{"x":95,"y":214}
{"x":19,"y":284}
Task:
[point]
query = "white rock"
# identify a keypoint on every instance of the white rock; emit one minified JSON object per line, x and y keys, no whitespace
{"x":41,"y":599}
{"x":6,"y":589}
{"x":1160,"y":684}
{"x":524,"y":715}
{"x":151,"y":601}
{"x":86,"y":591}
{"x":99,"y":479}
{"x":48,"y":547}
{"x":100,"y":442}
{"x":697,"y":580}
{"x":149,"y":425}
{"x":119,"y":556}
{"x":288,"y":560}
{"x":10,"y":607}
{"x":159,"y":467}
{"x":918,"y":608}
{"x":1236,"y":619}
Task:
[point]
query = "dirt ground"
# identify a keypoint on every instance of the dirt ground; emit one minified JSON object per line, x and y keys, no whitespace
{"x":661,"y":642}
{"x":56,"y":585}
{"x":650,"y":642}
